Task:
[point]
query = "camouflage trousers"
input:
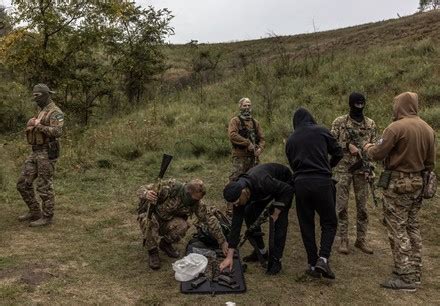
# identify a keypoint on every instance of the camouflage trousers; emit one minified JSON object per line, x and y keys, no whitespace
{"x":360,"y":187}
{"x":400,"y":216}
{"x":240,"y":165}
{"x":40,"y":168}
{"x":154,"y":230}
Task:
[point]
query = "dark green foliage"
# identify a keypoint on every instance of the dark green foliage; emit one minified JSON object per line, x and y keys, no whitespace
{"x":104,"y":163}
{"x":88,"y":51}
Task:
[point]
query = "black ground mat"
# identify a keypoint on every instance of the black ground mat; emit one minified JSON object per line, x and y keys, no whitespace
{"x":219,"y":285}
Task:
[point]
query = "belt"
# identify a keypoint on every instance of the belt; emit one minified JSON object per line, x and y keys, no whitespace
{"x":39,"y":147}
{"x":399,"y":174}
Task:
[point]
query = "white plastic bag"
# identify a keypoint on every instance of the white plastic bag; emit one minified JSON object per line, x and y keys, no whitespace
{"x":189,"y":267}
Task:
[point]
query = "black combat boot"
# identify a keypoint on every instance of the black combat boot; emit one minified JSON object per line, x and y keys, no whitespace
{"x":273,"y":266}
{"x":168,"y":249}
{"x":153,"y":259}
{"x":253,"y":257}
{"x":323,"y":267}
{"x":312,"y":272}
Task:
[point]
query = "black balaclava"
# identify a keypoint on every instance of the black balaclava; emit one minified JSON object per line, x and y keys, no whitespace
{"x":355,"y":100}
{"x":44,"y":99}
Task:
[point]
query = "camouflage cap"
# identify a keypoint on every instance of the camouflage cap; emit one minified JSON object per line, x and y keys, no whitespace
{"x":42,"y":88}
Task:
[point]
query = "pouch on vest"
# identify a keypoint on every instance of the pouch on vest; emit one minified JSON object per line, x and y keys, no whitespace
{"x":384,"y":179}
{"x":53,"y":150}
{"x":30,"y":136}
{"x":408,"y":185}
{"x":39,"y":138}
{"x":429,"y":184}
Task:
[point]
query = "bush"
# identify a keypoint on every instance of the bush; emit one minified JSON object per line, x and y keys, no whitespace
{"x":431,"y":116}
{"x":15,"y":107}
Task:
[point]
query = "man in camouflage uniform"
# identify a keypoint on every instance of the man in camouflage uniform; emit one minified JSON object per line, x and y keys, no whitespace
{"x":343,"y":129}
{"x":171,"y":207}
{"x":247,"y":139}
{"x":407,"y":147}
{"x":42,"y":133}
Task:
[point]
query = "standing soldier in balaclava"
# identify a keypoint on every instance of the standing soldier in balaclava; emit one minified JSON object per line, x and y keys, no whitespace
{"x":42,"y":133}
{"x":247,"y":139}
{"x":343,"y":129}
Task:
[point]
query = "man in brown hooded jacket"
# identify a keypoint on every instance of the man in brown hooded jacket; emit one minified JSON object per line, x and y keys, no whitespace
{"x":407,"y":147}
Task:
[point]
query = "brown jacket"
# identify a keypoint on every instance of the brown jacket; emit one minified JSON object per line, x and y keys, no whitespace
{"x":407,"y":144}
{"x":240,"y":143}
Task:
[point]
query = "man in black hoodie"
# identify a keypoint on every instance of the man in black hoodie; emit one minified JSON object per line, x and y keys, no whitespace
{"x":308,"y":149}
{"x":250,"y":195}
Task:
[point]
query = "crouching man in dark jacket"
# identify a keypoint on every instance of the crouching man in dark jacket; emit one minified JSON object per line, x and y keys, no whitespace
{"x":250,"y":195}
{"x":308,"y":149}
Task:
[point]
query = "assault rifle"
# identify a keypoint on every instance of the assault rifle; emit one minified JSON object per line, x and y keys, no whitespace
{"x":255,"y":231}
{"x":253,"y":138}
{"x":363,"y":163}
{"x":143,"y":205}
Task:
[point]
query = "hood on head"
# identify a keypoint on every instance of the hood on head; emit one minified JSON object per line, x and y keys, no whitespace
{"x":302,"y":117}
{"x":405,"y":105}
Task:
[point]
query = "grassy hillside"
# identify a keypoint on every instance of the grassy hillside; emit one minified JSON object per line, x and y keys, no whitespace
{"x":93,"y":253}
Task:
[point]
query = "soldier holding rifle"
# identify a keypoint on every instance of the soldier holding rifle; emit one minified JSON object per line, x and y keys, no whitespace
{"x":247,"y":139}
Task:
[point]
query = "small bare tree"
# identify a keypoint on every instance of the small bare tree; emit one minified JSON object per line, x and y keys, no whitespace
{"x":429,"y":4}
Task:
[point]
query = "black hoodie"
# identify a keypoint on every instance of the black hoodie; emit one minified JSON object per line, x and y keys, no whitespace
{"x":309,"y":146}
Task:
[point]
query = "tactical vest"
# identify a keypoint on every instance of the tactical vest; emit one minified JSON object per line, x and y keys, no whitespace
{"x":36,"y":137}
{"x":245,"y":132}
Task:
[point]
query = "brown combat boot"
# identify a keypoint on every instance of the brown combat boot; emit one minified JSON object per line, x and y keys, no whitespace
{"x":153,"y":259}
{"x":43,"y":221}
{"x":343,"y":247}
{"x":168,"y":249}
{"x":363,"y":246}
{"x":29,"y":216}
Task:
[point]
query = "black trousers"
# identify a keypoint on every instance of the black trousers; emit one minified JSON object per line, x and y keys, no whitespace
{"x":316,"y":195}
{"x":252,"y":212}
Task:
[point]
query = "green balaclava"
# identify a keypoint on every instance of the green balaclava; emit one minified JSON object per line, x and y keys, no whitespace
{"x":43,"y":99}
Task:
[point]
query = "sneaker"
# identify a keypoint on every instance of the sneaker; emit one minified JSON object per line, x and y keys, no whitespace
{"x":168,"y":249}
{"x":323,"y":267}
{"x":313,"y":273}
{"x":396,"y":283}
{"x":43,"y":221}
{"x":253,"y":257}
{"x":29,"y":216}
{"x":363,"y":246}
{"x":153,"y":259}
{"x":273,"y":267}
{"x":343,"y":247}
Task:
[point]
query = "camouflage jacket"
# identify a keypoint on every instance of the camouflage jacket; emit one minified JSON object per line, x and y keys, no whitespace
{"x":340,"y":129}
{"x":170,"y":204}
{"x":50,"y":127}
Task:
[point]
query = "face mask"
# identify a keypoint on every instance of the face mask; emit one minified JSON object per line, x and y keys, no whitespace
{"x":246,"y":113}
{"x":42,"y":100}
{"x":357,"y":111}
